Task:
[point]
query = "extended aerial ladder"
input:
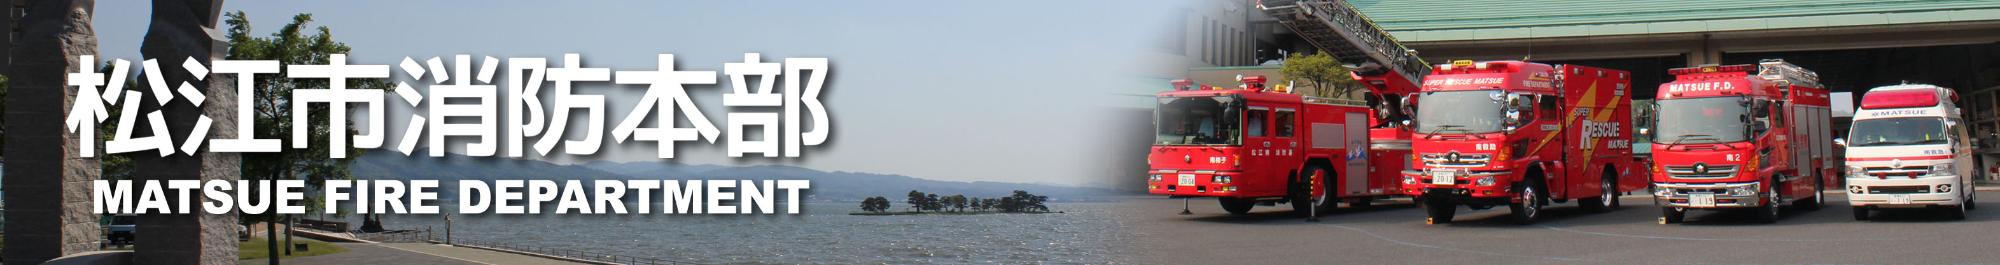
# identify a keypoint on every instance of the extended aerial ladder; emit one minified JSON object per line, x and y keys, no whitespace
{"x":1381,"y":63}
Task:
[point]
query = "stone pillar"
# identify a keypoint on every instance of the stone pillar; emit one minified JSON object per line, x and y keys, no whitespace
{"x":181,"y":29}
{"x":47,"y":181}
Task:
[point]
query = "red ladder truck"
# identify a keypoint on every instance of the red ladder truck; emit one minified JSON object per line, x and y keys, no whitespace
{"x":1251,"y":145}
{"x":1742,"y":137}
{"x":1254,"y":145}
{"x":1523,"y":135}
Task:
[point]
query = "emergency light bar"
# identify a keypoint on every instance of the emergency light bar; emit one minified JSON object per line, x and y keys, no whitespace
{"x":1712,"y":69}
{"x":1469,"y":65}
{"x":1899,"y":99}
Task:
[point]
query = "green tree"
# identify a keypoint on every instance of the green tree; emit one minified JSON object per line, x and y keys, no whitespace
{"x":881,"y":204}
{"x":957,"y":202}
{"x":934,"y":202}
{"x":293,"y":44}
{"x":1327,"y":77}
{"x":917,"y":200}
{"x":874,"y":204}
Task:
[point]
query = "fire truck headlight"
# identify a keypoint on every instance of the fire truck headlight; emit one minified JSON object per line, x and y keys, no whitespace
{"x":1745,"y":190}
{"x":1663,"y":192}
{"x":1409,"y":180}
{"x":1154,"y":178}
{"x":1219,"y":179}
{"x":1486,"y":181}
{"x":1942,"y":169}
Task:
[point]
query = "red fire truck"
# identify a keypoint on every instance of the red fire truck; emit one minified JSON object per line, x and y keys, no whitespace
{"x":1741,"y":137}
{"x":1254,"y":145}
{"x":1251,"y":145}
{"x":1523,"y":135}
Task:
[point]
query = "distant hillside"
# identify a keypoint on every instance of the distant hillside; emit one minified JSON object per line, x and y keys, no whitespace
{"x":827,"y":186}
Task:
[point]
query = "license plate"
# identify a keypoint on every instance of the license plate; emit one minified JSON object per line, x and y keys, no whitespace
{"x":1187,"y":179}
{"x":1701,"y":200}
{"x":1444,"y":177}
{"x":1899,"y":199}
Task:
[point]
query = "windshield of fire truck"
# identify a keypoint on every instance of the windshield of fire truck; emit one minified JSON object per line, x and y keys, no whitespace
{"x":1196,"y":121}
{"x":1454,"y":112}
{"x":1701,"y":121}
{"x":1898,"y":131}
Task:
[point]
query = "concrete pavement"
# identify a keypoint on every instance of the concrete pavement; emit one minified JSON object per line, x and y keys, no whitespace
{"x":1395,"y":233}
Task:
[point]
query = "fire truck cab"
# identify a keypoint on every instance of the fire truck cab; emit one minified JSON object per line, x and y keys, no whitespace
{"x":1251,"y":145}
{"x":1741,"y":137}
{"x":1909,"y":149}
{"x":1523,"y":135}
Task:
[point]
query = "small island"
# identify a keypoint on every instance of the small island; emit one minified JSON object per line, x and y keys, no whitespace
{"x":928,"y":203}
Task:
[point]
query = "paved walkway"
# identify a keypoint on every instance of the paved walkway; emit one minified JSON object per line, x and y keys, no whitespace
{"x":415,"y":253}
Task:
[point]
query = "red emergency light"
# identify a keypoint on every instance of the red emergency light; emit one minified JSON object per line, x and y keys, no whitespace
{"x":1182,"y":84}
{"x":1899,"y":99}
{"x":1712,"y":69}
{"x":1254,"y":83}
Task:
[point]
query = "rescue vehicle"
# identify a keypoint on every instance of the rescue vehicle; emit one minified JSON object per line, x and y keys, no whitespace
{"x":1741,"y":137}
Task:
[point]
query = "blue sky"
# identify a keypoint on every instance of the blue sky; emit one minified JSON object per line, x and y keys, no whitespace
{"x":996,"y":91}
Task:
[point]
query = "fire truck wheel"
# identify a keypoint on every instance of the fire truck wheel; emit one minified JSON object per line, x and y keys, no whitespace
{"x":1303,"y":202}
{"x":1530,"y":207}
{"x":1670,"y":215}
{"x":1237,"y":206}
{"x":1607,"y":196}
{"x":1772,"y":204}
{"x":1860,"y":213}
{"x":1818,"y":197}
{"x":1440,"y":210}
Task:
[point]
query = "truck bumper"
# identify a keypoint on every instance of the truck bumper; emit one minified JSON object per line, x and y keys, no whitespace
{"x":1205,"y":184}
{"x":1897,"y":192}
{"x":1726,"y":195}
{"x":1473,"y":188}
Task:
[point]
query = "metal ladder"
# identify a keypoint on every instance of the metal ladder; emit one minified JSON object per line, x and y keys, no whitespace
{"x":1335,"y":26}
{"x":1785,"y":73}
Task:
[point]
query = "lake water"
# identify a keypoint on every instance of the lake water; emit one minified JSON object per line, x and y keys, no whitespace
{"x":1088,"y":233}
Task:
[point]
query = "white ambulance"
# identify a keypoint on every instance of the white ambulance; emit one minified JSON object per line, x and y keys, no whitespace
{"x":1909,"y":149}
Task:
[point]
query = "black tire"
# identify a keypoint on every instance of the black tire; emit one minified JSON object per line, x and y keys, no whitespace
{"x":1769,"y":212}
{"x":1237,"y":206}
{"x":1971,"y":198}
{"x":1607,"y":195}
{"x":1957,"y":212}
{"x":1860,"y":213}
{"x":1439,"y":210}
{"x":1530,"y":207}
{"x":1818,"y":197}
{"x":1303,"y":201}
{"x":1670,"y":215}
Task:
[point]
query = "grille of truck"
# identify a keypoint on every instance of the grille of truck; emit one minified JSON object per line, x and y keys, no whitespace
{"x":1688,"y":172}
{"x":1894,"y":172}
{"x":1441,"y":160}
{"x":1899,"y":189}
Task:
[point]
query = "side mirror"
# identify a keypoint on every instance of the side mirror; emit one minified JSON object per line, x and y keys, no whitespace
{"x":1760,"y":109}
{"x":1646,"y":132}
{"x":1842,"y":142}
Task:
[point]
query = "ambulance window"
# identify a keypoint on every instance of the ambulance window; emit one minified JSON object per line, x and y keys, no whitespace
{"x":1255,"y":123}
{"x":1284,"y":123}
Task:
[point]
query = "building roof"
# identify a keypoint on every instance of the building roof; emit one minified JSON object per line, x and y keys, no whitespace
{"x":1453,"y":20}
